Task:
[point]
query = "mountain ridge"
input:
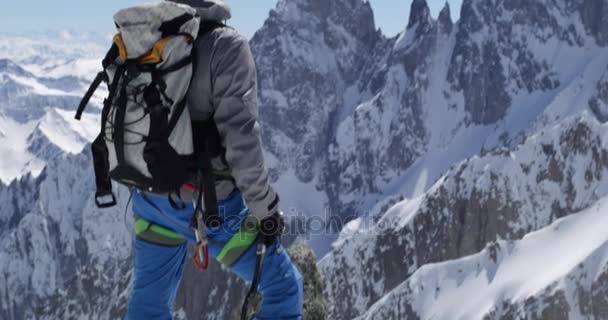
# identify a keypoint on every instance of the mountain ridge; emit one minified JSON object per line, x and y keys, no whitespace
{"x":413,"y":131}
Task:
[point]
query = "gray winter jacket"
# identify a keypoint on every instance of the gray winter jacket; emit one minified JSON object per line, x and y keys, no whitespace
{"x":224,"y":86}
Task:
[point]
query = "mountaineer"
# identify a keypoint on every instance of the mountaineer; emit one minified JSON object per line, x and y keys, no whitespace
{"x":181,"y":117}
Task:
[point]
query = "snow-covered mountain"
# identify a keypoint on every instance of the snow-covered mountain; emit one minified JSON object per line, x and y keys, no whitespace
{"x":523,"y":279}
{"x":502,"y":196}
{"x":512,"y":98}
{"x":41,"y":78}
{"x":471,"y":157}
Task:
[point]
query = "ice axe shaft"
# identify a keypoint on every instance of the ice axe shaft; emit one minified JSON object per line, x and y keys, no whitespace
{"x":257,"y":272}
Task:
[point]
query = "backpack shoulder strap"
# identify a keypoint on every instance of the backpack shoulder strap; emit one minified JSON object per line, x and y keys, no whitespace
{"x":205,"y":143}
{"x":209,"y":26}
{"x":101,"y":77}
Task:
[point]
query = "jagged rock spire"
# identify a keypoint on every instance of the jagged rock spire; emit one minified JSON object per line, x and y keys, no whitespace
{"x":445,"y":19}
{"x":355,"y":16}
{"x":419,"y":13}
{"x":595,"y":20}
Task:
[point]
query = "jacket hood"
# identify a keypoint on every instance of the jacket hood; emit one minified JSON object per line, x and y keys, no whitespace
{"x":215,"y":10}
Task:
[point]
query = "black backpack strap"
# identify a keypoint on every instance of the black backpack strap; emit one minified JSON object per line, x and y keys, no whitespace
{"x":177,"y":66}
{"x":101,"y":163}
{"x":207,"y":194}
{"x":207,"y":146}
{"x":118,"y":132}
{"x":101,"y":77}
{"x":102,"y":174}
{"x":179,"y":109}
{"x":179,"y":204}
{"x":111,"y":56}
{"x":212,"y":214}
{"x":207,"y":26}
{"x":172,"y":27}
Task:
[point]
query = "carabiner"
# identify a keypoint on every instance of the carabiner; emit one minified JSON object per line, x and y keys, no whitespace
{"x":201,"y":252}
{"x":201,"y":256}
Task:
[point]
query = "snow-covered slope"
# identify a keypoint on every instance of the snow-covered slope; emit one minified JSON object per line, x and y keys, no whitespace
{"x":502,"y":195}
{"x":61,"y":257}
{"x":16,"y":160}
{"x":58,"y":132}
{"x":559,"y":272}
{"x":41,"y":82}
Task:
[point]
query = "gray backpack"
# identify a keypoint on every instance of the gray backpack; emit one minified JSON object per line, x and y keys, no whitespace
{"x":146,"y":132}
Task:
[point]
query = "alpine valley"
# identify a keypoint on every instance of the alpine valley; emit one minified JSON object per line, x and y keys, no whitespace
{"x":467,"y":159}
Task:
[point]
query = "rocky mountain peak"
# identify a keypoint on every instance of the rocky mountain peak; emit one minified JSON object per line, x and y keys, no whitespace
{"x":420,"y":14}
{"x":445,"y":19}
{"x":355,"y":16}
{"x":308,"y":53}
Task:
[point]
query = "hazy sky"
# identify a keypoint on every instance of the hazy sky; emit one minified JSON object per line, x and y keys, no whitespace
{"x":248,"y":15}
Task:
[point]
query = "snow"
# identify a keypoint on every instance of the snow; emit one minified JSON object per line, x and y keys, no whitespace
{"x":452,"y":139}
{"x":405,"y":39}
{"x":500,"y":177}
{"x":522,"y":269}
{"x":57,"y":126}
{"x":348,"y":231}
{"x":305,"y":201}
{"x":71,"y":135}
{"x":16,"y":160}
{"x":30,"y":112}
{"x":85,"y":68}
{"x":38,"y":88}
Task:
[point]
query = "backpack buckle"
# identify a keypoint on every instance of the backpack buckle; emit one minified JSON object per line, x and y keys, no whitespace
{"x":102,"y":202}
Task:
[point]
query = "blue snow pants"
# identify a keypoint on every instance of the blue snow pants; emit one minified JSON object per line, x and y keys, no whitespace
{"x":158,"y":269}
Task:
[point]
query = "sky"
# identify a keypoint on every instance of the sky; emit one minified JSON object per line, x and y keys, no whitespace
{"x":96,"y":15}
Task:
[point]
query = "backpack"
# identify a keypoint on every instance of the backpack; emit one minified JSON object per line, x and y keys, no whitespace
{"x":146,"y":137}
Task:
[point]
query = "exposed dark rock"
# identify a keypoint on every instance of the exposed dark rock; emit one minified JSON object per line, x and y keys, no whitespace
{"x":314,"y":302}
{"x":599,"y":102}
{"x":594,"y":14}
{"x":599,"y":294}
{"x":420,"y":15}
{"x":459,"y":219}
{"x":315,"y":307}
{"x":479,"y":73}
{"x":445,"y":19}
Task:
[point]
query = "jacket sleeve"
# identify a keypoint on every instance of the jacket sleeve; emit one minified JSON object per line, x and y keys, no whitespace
{"x":234,"y":94}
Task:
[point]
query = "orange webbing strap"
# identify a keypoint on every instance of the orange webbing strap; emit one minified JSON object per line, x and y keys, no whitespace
{"x":122,"y":49}
{"x":155,"y":55}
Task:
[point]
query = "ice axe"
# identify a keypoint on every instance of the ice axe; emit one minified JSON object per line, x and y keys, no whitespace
{"x":257,"y":272}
